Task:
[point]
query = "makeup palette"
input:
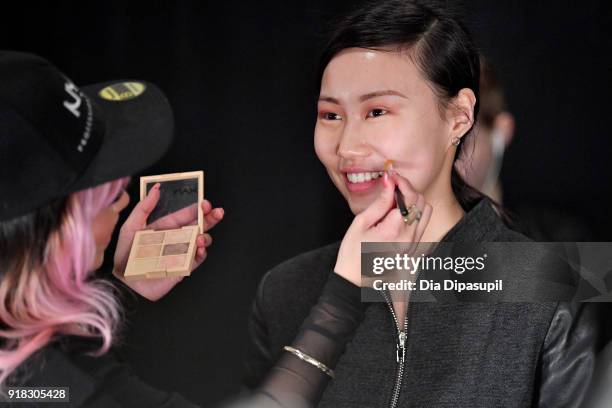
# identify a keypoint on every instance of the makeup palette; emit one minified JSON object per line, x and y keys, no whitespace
{"x":162,"y":251}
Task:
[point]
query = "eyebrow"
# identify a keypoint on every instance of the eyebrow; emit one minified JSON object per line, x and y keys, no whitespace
{"x":388,"y":92}
{"x":365,"y":97}
{"x":329,"y":99}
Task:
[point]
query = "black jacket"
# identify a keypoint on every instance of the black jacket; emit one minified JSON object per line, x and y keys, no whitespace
{"x":458,"y":355}
{"x":94,"y":382}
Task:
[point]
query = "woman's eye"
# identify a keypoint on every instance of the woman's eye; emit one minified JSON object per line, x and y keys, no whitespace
{"x":374,"y":113}
{"x":330,"y":116}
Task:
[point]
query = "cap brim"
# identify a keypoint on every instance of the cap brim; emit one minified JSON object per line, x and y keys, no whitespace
{"x":138,"y":132}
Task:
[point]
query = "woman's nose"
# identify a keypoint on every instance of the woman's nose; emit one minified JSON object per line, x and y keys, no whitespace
{"x":353,"y":144}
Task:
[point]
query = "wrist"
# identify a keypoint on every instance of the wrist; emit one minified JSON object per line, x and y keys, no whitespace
{"x":117,"y":274}
{"x":343,"y":292}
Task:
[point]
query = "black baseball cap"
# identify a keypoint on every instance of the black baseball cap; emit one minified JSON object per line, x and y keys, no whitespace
{"x":57,"y":138}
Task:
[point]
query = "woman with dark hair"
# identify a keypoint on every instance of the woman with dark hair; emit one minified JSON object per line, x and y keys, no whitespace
{"x":399,"y":81}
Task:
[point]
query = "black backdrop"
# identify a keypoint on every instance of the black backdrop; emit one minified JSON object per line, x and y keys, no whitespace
{"x":240,"y":76}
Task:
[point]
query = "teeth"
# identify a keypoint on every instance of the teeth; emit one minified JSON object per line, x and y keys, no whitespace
{"x":362,"y":177}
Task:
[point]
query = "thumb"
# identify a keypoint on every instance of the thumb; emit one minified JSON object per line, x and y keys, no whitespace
{"x":381,"y":206}
{"x":143,"y":208}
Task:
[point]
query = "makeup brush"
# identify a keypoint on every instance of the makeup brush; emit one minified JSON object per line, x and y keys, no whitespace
{"x":399,"y":197}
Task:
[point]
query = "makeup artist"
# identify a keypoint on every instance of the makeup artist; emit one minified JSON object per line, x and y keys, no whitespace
{"x":399,"y":80}
{"x":65,"y":155}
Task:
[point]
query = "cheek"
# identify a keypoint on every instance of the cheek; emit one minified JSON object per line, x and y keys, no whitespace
{"x":418,"y":147}
{"x":326,"y":147}
{"x":103,"y":227}
{"x":321,"y":143}
{"x":326,"y":144}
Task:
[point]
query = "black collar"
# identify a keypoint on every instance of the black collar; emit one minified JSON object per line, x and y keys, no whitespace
{"x":481,"y":223}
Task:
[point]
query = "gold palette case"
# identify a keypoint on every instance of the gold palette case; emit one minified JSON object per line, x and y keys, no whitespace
{"x":161,"y":251}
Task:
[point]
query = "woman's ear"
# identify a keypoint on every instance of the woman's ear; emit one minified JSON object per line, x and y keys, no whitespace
{"x":461,"y":114}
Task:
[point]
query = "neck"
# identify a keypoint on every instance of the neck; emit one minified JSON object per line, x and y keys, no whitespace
{"x":446,"y":210}
{"x":446,"y":213}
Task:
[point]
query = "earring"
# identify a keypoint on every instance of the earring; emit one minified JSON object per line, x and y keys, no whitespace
{"x":455,"y":141}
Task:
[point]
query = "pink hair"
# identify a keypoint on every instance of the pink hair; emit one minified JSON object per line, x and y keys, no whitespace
{"x":59,"y":296}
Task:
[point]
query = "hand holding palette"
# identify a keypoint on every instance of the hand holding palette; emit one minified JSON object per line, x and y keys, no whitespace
{"x":164,"y":250}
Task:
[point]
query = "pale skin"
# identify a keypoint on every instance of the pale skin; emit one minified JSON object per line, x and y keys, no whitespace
{"x":374,"y":106}
{"x":106,"y":221}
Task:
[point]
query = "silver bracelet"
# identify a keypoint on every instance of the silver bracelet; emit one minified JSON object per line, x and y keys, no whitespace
{"x":305,"y":357}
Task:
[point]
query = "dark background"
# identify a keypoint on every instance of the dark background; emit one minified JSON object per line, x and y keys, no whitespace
{"x":240,"y":76}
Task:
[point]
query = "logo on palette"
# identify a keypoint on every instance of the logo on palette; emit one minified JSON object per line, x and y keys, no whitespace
{"x":185,"y":190}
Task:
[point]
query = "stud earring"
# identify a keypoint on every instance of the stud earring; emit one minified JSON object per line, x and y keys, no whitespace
{"x":455,"y":141}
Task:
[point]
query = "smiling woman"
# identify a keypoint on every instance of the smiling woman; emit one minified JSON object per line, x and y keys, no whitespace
{"x":399,"y":82}
{"x":375,"y":105}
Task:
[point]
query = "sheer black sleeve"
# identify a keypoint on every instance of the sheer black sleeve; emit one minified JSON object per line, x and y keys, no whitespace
{"x":295,"y":383}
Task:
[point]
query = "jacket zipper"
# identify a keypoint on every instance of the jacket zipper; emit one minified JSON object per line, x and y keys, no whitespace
{"x":400,"y":352}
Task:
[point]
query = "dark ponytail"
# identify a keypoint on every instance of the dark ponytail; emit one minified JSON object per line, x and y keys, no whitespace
{"x":439,"y":44}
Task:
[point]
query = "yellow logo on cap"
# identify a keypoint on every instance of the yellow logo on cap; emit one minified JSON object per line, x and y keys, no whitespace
{"x":122,"y":91}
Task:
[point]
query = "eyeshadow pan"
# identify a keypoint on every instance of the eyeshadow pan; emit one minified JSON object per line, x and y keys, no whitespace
{"x":176,"y":249}
{"x":150,"y":263}
{"x":148,"y":251}
{"x":175,"y":237}
{"x":153,"y":238}
{"x":172,"y":261}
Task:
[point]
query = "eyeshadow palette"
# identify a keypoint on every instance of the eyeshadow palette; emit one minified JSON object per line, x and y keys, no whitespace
{"x":157,"y":252}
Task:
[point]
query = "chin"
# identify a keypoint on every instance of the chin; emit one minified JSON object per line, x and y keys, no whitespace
{"x":358,"y":206}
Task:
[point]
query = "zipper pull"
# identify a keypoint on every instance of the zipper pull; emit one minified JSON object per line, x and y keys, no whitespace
{"x":401,"y":345}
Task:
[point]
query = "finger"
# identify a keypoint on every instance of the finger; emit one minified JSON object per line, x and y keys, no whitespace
{"x":392,"y":225}
{"x":422,"y":223}
{"x":420,"y":219}
{"x":204,"y":240}
{"x":206,"y":206}
{"x":381,"y":206}
{"x":400,"y":228}
{"x":213,"y":218}
{"x":416,"y":210}
{"x":142,"y":210}
{"x":201,"y":255}
{"x":408,"y":191}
